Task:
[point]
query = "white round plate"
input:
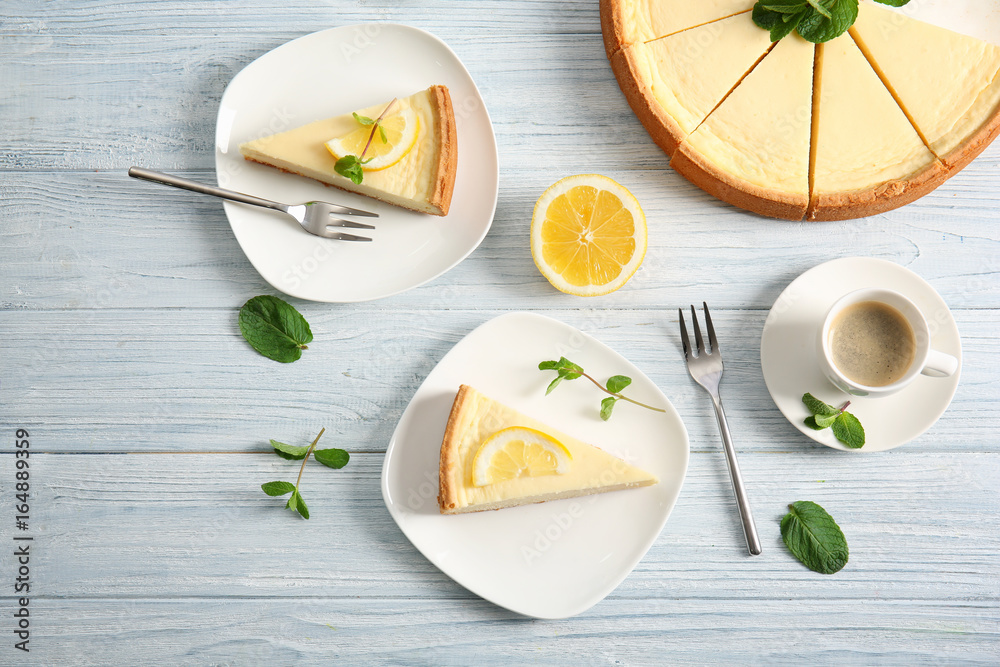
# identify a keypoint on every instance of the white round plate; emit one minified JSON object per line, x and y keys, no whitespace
{"x":330,"y":73}
{"x":789,"y":362}
{"x":553,"y":559}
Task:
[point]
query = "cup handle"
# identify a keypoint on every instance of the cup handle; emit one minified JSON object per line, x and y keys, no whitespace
{"x":940,"y":364}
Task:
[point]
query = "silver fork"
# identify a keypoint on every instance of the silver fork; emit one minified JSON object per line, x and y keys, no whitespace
{"x":706,"y":369}
{"x":316,"y":217}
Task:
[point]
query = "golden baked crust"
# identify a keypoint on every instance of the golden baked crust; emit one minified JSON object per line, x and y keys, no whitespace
{"x":879,"y":199}
{"x":660,"y":125}
{"x":693,"y":166}
{"x":613,"y":20}
{"x":447,"y":166}
{"x":965,"y":153}
{"x":450,"y":466}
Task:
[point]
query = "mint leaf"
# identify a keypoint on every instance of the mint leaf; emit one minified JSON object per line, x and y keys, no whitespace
{"x":813,"y":537}
{"x":815,"y":4}
{"x":849,"y":431}
{"x":817,"y":28}
{"x":825,"y":421}
{"x":364,"y":120}
{"x":811,"y":423}
{"x":779,"y":16}
{"x":618,"y":382}
{"x":332,"y":458}
{"x":553,"y":384}
{"x":274,"y":328}
{"x":297,"y":504}
{"x":548,"y":365}
{"x":277,"y":488}
{"x":607,"y":405}
{"x":350,"y":167}
{"x":818,"y":407}
{"x":570,"y":370}
{"x":290,"y":452}
{"x":893,"y":3}
{"x":382,"y":135}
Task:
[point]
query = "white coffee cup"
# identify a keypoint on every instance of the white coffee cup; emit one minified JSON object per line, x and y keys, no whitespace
{"x":925,"y":360}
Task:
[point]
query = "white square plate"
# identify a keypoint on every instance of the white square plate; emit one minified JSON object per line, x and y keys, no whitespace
{"x":335,"y":72}
{"x":553,"y":559}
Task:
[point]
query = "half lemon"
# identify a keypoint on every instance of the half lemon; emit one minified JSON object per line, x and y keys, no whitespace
{"x":588,"y":235}
{"x":518,"y":451}
{"x":401,"y":130}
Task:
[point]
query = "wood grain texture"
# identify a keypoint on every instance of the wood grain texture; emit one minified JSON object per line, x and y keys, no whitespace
{"x":185,"y":380}
{"x":149,"y":415}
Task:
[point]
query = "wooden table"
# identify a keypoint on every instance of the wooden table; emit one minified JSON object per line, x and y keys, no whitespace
{"x":149,"y":417}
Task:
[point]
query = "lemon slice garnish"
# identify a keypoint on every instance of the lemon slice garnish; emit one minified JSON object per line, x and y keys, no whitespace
{"x":401,"y":130}
{"x":588,"y":235}
{"x":518,"y":451}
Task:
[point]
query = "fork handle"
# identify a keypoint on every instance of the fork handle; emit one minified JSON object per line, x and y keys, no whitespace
{"x":194,"y":186}
{"x":742,"y":502}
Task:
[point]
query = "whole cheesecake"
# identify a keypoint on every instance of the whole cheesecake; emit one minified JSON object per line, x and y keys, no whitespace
{"x":860,"y":125}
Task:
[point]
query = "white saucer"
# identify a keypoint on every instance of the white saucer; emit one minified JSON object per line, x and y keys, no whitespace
{"x":329,"y":73}
{"x":788,"y":353}
{"x":553,"y":559}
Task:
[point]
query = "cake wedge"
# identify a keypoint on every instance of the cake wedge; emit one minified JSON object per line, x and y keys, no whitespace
{"x":493,"y":457}
{"x":422,"y":180}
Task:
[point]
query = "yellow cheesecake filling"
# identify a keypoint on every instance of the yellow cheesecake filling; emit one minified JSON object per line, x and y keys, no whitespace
{"x":948,"y":83}
{"x":651,"y":19}
{"x":303,"y":151}
{"x":690,"y":72}
{"x":590,"y":469}
{"x":761,"y":132}
{"x":863,"y":138}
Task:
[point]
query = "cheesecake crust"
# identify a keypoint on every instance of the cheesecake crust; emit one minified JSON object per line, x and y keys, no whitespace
{"x":449,"y":469}
{"x":879,"y":199}
{"x":660,"y":125}
{"x":695,"y":167}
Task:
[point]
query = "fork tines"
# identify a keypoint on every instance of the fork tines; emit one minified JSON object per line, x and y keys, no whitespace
{"x":699,"y":341}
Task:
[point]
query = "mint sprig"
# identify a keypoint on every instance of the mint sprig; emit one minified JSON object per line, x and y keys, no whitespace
{"x":815,"y":20}
{"x":846,"y":426}
{"x":352,"y":166}
{"x":332,"y":458}
{"x":813,"y":537}
{"x":567,"y":370}
{"x":274,"y":328}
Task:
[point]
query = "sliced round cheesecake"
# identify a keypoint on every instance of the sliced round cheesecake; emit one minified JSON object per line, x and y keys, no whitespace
{"x":481,"y":428}
{"x":423,"y":180}
{"x":853,"y":127}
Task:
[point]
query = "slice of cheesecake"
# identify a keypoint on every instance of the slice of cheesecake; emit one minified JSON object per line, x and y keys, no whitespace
{"x":626,"y":22}
{"x":423,"y":180}
{"x":674,"y":82}
{"x":753,"y":150}
{"x":473,"y":425}
{"x":948,"y":84}
{"x":868,"y":157}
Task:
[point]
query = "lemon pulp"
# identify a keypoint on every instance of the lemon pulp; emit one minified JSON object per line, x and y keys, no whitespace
{"x":518,"y":451}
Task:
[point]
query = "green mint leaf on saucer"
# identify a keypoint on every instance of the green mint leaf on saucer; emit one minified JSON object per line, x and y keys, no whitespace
{"x":364,"y":120}
{"x":290,"y":452}
{"x":567,"y":370}
{"x":607,"y":405}
{"x":818,"y":407}
{"x":618,"y":382}
{"x":813,"y":537}
{"x":277,"y":488}
{"x":332,"y":458}
{"x":846,"y":426}
{"x":349,"y":166}
{"x":274,"y":328}
{"x":849,"y":431}
{"x":825,"y":421}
